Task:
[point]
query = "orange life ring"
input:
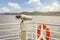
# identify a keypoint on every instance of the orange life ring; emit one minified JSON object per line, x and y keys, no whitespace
{"x":46,"y":29}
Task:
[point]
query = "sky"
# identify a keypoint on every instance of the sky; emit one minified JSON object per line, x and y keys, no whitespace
{"x":16,"y":6}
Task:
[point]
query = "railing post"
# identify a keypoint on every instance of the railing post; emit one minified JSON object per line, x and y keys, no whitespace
{"x":23,"y":31}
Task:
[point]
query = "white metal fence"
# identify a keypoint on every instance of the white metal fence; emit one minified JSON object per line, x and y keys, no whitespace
{"x":31,"y":34}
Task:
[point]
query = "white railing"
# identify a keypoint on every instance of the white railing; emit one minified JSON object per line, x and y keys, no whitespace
{"x":15,"y":35}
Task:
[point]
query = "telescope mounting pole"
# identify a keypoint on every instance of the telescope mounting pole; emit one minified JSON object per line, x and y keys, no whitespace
{"x":23,"y":30}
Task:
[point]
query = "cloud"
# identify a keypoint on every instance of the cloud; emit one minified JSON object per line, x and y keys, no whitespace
{"x":11,"y":8}
{"x":33,"y":1}
{"x":50,"y":8}
{"x":54,"y":6}
{"x":14,"y":5}
{"x":4,"y":9}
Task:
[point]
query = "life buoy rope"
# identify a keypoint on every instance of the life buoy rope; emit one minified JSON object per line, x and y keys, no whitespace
{"x":46,"y":29}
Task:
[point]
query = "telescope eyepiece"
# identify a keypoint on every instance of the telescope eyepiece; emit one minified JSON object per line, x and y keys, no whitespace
{"x":18,"y":16}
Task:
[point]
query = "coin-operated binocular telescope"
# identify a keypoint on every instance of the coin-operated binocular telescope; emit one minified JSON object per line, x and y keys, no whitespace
{"x":24,"y":17}
{"x":22,"y":25}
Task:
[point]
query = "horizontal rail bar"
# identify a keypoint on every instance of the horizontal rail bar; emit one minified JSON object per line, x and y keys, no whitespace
{"x":43,"y":23}
{"x":10,"y":35}
{"x":9,"y":30}
{"x":11,"y":38}
{"x":30,"y":23}
{"x":28,"y":31}
{"x":53,"y":38}
{"x":9,"y":23}
{"x":45,"y":30}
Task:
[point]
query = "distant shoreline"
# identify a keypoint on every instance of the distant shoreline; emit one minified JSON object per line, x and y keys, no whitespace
{"x":34,"y":13}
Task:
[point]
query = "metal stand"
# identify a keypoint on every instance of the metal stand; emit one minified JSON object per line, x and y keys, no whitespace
{"x":23,"y":30}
